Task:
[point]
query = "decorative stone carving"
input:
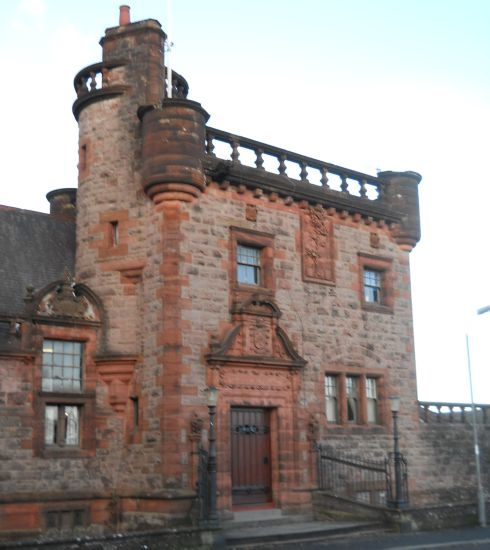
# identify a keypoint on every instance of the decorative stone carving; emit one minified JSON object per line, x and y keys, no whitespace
{"x":313,"y":429}
{"x":251,"y":212}
{"x":260,"y":338}
{"x":317,"y":240}
{"x":65,"y":301}
{"x":255,"y":337}
{"x":196,"y":427}
{"x":374,"y":240}
{"x":236,"y":378}
{"x":117,"y":373}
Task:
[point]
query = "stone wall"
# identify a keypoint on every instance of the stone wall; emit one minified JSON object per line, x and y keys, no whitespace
{"x":444,"y":462}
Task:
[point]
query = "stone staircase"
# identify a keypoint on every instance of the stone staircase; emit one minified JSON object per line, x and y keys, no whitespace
{"x":270,"y":528}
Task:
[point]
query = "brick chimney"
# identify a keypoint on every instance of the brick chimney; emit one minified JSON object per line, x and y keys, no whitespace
{"x":124,"y":15}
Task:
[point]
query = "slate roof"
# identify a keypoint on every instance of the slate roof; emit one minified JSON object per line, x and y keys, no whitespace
{"x":35,"y":249}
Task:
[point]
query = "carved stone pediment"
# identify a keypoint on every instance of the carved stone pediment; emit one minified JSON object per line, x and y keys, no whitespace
{"x":66,"y":300}
{"x":256,"y":337}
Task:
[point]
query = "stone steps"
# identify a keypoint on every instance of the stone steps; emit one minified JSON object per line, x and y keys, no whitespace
{"x":259,"y":528}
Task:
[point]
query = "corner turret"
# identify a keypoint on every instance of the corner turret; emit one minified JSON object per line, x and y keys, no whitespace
{"x":403,"y":196}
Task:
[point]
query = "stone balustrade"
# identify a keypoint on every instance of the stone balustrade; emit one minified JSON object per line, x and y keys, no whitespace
{"x":435,"y":412}
{"x":98,"y":76}
{"x":93,"y":78}
{"x":180,"y":88}
{"x":248,"y":152}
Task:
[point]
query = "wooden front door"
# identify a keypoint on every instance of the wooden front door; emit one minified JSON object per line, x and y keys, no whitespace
{"x":250,"y":456}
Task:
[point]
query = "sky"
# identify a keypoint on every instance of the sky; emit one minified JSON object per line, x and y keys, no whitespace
{"x":370,"y":85}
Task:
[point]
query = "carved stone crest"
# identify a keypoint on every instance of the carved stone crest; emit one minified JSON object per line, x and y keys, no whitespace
{"x":260,"y":339}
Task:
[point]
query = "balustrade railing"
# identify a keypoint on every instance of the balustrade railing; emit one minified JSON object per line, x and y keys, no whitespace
{"x":180,"y":88}
{"x":441,"y":412}
{"x":93,"y":78}
{"x":96,"y":77}
{"x":248,"y":152}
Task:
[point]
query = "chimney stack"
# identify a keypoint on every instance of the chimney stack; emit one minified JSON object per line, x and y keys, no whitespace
{"x":124,"y":16}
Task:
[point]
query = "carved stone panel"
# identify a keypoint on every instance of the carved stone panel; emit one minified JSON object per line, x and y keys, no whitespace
{"x":64,"y":302}
{"x":259,"y":341}
{"x":246,"y":379}
{"x":317,"y":241}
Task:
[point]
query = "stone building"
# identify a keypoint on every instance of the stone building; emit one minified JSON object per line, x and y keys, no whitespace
{"x":189,"y":257}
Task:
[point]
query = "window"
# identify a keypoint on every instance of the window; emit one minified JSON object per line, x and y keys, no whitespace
{"x":352,"y":399}
{"x":371,"y":401}
{"x":65,"y":400}
{"x":114,"y":233}
{"x":376,"y":283}
{"x":136,"y":413}
{"x":65,"y":520}
{"x":251,"y":266}
{"x":331,"y":398}
{"x":62,"y":425}
{"x":372,"y":286}
{"x":248,"y":265}
{"x":62,"y":366}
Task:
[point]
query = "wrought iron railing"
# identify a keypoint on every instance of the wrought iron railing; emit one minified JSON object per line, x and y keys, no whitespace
{"x":354,"y":478}
{"x":441,"y":412}
{"x":248,"y":152}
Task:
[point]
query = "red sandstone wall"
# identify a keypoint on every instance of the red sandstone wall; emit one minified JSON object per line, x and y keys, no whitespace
{"x":326,"y":323}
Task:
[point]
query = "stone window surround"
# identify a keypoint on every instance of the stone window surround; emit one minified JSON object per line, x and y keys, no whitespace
{"x":66,"y":517}
{"x":341,"y":398}
{"x":86,"y":403}
{"x":384,"y":266}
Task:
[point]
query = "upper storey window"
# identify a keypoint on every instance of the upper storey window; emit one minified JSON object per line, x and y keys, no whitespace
{"x":62,"y":366}
{"x":248,"y":265}
{"x":376,"y":280}
{"x":251,"y":266}
{"x":372,"y":286}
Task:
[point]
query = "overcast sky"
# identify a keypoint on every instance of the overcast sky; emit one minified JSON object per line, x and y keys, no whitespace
{"x":378,"y":84}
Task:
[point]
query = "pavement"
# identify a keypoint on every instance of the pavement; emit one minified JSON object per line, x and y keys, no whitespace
{"x":270,"y":530}
{"x":451,"y":539}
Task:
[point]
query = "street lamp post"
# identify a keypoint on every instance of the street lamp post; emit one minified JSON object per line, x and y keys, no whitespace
{"x":400,"y":498}
{"x":482,"y":516}
{"x":212,"y":399}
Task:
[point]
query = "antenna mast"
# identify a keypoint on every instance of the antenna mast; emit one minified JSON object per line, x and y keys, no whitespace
{"x":169,"y":49}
